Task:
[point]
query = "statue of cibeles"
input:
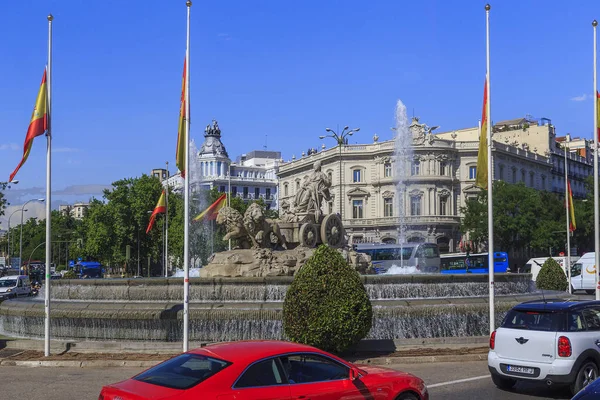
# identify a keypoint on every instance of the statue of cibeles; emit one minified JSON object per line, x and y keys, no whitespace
{"x":263,"y":232}
{"x":313,"y":191}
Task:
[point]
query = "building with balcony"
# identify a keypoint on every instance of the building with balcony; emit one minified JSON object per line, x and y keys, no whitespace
{"x":440,"y":177}
{"x":252,"y":176}
{"x":76,"y":210}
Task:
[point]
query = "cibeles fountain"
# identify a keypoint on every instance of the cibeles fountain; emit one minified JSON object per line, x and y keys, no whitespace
{"x":241,"y":291}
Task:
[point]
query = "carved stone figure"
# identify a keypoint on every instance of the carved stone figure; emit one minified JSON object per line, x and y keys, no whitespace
{"x":313,"y":191}
{"x":263,"y":232}
{"x":234,"y":225}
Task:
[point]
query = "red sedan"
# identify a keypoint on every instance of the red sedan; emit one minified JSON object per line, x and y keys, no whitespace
{"x":265,"y":370}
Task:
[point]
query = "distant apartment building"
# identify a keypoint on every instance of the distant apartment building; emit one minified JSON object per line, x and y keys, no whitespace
{"x":252,"y":176}
{"x":76,"y":210}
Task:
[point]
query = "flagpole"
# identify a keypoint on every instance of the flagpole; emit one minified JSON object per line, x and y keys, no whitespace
{"x":229,"y":195}
{"x":167,"y":226}
{"x":48,"y":192}
{"x":186,"y":219}
{"x":490,"y":177}
{"x":568,"y":209}
{"x":596,"y":194}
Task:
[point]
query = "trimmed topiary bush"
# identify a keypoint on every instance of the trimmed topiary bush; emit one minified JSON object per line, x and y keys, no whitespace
{"x":326,"y":305}
{"x":69,"y":275}
{"x":551,"y":276}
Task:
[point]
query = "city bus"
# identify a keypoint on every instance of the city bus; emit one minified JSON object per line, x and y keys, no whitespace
{"x":476,"y":263}
{"x":407,"y":258}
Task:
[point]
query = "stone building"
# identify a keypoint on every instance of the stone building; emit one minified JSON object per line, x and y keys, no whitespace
{"x":440,"y":178}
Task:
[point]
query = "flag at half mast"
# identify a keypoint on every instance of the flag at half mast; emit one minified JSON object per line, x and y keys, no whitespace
{"x":213,"y":210}
{"x":161,"y":208}
{"x":38,"y":124}
{"x":481,"y":177}
{"x":571,"y":210}
{"x":181,"y":133}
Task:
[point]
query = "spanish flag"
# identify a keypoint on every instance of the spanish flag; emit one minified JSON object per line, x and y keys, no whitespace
{"x":161,"y":208}
{"x":181,"y":133}
{"x":211,"y":212}
{"x":38,"y":124}
{"x":572,"y":223}
{"x":481,"y":177}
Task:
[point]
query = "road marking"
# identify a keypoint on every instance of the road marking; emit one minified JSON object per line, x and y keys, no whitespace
{"x":475,"y":378}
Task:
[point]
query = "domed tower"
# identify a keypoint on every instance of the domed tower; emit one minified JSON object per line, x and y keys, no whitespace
{"x":212,"y":157}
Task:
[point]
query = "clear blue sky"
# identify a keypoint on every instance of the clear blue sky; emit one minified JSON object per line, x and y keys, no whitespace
{"x":281,"y":69}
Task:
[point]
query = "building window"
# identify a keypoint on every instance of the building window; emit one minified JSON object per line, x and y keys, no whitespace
{"x":256,"y":193}
{"x":543,"y":183}
{"x":234,"y":191}
{"x":357,"y":209}
{"x":472,"y":172}
{"x":531,"y":179}
{"x":415,"y":168}
{"x":443,"y":205}
{"x":222,"y":189}
{"x":388,"y":207}
{"x":501,"y":168}
{"x":245,"y":195}
{"x":443,"y":168}
{"x":415,"y":205}
{"x":297,"y":185}
{"x":522,"y":176}
{"x":330,"y":177}
{"x":514,"y":175}
{"x":387,"y":170}
{"x":268,"y":193}
{"x":285,"y":190}
{"x":356,"y":176}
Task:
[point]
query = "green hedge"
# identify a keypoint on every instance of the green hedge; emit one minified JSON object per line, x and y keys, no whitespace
{"x":551,"y":276}
{"x":327,"y":305}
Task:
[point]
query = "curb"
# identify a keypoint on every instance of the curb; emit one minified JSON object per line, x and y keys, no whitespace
{"x":147,"y":364}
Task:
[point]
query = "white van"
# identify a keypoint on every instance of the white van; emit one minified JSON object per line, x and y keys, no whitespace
{"x":583,"y":273}
{"x":15,"y":285}
{"x":534,"y":265}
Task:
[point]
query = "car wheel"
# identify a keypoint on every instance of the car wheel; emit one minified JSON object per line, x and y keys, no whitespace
{"x":503,"y":383}
{"x":586,"y":375}
{"x":407,"y":396}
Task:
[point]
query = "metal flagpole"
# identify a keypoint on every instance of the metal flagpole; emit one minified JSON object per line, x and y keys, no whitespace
{"x":596,"y":194}
{"x":167,"y":225}
{"x":48,"y":191}
{"x":186,"y":212}
{"x":568,"y":208}
{"x":229,"y":196}
{"x":490,"y":177}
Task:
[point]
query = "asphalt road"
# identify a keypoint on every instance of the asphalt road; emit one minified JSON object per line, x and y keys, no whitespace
{"x":446,"y":381}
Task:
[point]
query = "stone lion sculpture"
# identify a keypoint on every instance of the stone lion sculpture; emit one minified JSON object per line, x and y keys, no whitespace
{"x":234,"y":225}
{"x":263,"y":232}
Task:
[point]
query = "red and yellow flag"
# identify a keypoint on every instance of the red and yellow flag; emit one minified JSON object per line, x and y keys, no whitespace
{"x":213,"y":210}
{"x":571,"y":210}
{"x":161,"y":208}
{"x":481,"y":177}
{"x":38,"y":124}
{"x":181,"y":133}
{"x":598,"y":113}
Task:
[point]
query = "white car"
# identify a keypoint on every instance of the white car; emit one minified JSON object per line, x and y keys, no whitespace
{"x":556,"y":342}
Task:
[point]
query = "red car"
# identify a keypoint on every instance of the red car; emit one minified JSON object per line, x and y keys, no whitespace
{"x":265,"y":370}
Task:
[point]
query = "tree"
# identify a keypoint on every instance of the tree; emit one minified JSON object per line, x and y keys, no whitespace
{"x":327,"y":305}
{"x":3,"y":202}
{"x":551,"y":276}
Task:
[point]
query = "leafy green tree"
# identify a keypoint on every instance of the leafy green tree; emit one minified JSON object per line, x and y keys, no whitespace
{"x":327,"y":305}
{"x":551,"y":276}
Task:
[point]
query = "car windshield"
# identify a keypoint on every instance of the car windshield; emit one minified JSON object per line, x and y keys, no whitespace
{"x":533,"y":320}
{"x":8,"y":282}
{"x":182,"y":372}
{"x":576,"y":270}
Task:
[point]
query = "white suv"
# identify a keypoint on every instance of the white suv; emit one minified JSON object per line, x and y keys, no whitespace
{"x":556,"y":342}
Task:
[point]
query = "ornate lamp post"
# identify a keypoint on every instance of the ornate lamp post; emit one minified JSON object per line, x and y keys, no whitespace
{"x":341,"y":140}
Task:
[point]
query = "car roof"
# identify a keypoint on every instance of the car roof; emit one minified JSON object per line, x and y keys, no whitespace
{"x":251,"y":350}
{"x":14,"y":276}
{"x":555,"y":305}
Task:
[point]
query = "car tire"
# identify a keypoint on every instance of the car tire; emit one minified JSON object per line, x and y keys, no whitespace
{"x":503,"y":383}
{"x":407,"y":396}
{"x":586,"y":375}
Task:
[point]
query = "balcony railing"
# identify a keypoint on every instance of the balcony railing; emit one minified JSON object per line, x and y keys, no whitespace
{"x":409,"y":220}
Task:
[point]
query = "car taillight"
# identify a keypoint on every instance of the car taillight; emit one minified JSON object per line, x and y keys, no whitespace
{"x":564,"y":347}
{"x":493,"y":340}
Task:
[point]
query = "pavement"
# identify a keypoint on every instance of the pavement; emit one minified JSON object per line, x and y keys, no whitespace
{"x":29,"y":353}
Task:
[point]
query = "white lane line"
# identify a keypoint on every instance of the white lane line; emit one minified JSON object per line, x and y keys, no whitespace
{"x":475,"y":378}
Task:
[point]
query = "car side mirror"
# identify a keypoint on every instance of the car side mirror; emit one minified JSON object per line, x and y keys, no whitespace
{"x":354,"y":374}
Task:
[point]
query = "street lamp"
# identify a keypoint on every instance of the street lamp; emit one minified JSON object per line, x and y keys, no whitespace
{"x":21,"y":240}
{"x":341,"y":140}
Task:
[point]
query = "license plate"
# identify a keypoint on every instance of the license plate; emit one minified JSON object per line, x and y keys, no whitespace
{"x":521,"y":370}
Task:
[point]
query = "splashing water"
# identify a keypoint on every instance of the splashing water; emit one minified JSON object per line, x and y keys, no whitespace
{"x":194,"y":273}
{"x":397,"y":270}
{"x":403,"y":155}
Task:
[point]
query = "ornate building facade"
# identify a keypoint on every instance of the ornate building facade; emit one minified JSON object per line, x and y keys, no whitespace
{"x":439,"y":178}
